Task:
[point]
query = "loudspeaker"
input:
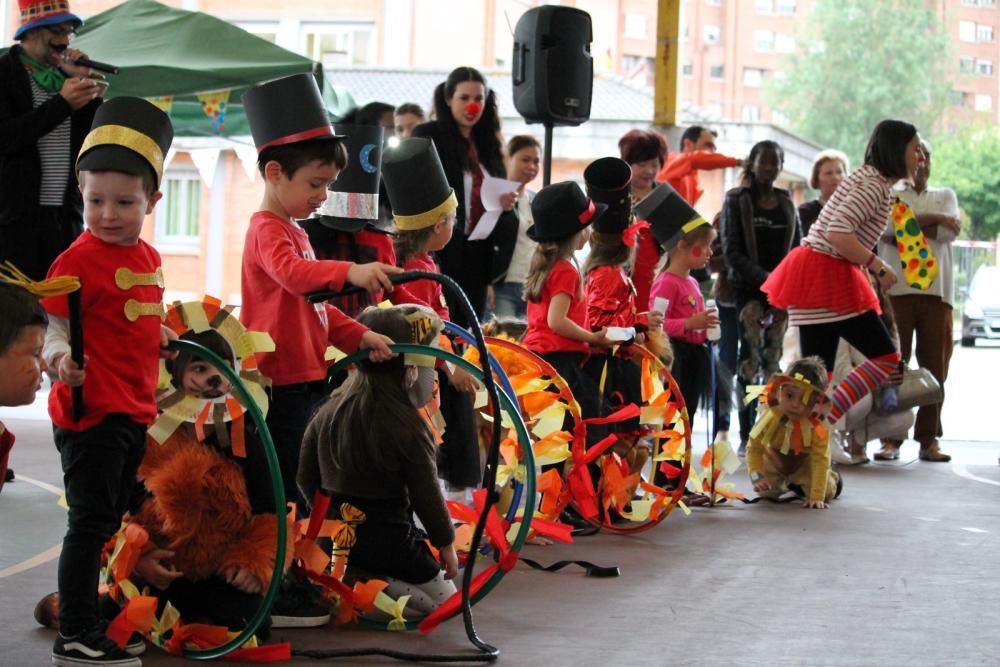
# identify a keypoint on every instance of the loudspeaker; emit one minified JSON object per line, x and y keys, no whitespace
{"x":553,"y":71}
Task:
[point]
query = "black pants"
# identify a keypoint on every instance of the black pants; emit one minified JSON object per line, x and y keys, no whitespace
{"x":32,"y":245}
{"x":692,"y":372}
{"x":866,"y":332}
{"x":288,"y":415}
{"x":99,"y":467}
{"x":728,"y":346}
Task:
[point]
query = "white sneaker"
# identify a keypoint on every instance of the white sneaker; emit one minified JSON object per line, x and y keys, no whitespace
{"x":837,"y":452}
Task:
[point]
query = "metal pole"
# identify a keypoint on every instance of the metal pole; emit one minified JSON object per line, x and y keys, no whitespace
{"x":547,"y":165}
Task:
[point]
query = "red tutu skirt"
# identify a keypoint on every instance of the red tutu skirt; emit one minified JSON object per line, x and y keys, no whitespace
{"x":810,"y":279}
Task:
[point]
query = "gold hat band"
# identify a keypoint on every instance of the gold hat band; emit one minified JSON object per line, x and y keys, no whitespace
{"x":119,"y":135}
{"x":694,"y":224}
{"x":409,"y":223}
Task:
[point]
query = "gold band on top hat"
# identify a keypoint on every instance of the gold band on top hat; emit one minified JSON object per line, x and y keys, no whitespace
{"x":688,"y":227}
{"x":119,"y":135}
{"x":409,"y":223}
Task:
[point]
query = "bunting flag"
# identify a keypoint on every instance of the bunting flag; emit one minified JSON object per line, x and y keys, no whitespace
{"x":214,"y":105}
{"x":920,"y":268}
{"x":165,"y":104}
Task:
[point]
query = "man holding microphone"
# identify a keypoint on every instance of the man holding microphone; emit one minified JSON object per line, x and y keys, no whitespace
{"x":47,"y":105}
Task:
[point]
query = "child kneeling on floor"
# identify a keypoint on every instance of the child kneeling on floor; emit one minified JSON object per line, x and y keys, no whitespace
{"x":369,"y":448}
{"x":789,"y":448}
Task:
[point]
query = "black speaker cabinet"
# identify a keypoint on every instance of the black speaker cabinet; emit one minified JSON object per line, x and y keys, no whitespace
{"x":553,"y":71}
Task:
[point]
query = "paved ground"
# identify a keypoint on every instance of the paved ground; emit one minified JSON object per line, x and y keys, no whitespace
{"x":902,"y":570}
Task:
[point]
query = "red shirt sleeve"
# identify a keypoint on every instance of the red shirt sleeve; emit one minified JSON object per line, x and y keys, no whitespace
{"x":294,"y":273}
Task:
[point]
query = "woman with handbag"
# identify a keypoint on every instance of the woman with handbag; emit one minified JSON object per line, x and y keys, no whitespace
{"x":466,"y":133}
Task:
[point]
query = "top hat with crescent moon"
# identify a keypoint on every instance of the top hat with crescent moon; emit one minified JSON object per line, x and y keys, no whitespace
{"x":353,"y":199}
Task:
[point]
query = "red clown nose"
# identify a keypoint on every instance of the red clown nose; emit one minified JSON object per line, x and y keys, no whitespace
{"x":474,"y":108}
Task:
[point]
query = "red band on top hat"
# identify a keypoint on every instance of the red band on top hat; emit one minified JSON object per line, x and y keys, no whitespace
{"x":585,"y":217}
{"x":324,"y":131}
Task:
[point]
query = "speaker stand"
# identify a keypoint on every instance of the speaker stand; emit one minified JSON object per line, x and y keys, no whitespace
{"x":547,"y":163}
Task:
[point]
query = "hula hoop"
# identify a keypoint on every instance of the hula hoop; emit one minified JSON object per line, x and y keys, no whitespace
{"x":277,"y":489}
{"x":679,"y":416}
{"x":514,"y":414}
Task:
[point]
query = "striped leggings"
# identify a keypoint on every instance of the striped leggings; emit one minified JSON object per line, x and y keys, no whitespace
{"x":866,"y":332}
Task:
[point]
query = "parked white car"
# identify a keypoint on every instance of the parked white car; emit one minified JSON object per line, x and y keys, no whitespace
{"x":981,"y":311}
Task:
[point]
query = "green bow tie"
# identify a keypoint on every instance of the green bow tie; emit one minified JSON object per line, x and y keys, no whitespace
{"x":49,"y":79}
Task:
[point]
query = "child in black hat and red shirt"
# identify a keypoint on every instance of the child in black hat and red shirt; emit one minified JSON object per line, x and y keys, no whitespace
{"x":558,"y":328}
{"x":611,"y":298}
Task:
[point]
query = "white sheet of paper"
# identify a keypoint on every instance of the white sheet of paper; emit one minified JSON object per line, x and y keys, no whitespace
{"x":621,"y":334}
{"x":490,"y":193}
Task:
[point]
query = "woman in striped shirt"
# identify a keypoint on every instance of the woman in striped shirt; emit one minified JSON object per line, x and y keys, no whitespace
{"x":823,"y":284}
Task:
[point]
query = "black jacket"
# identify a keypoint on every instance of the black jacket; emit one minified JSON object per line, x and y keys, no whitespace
{"x":472,"y":264}
{"x":739,"y":242}
{"x":21,"y":126}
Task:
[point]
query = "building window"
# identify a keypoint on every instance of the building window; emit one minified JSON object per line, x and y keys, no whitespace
{"x":970,"y":3}
{"x":751,"y":113}
{"x":778,"y":118}
{"x":785,"y":7}
{"x":713,"y":2}
{"x":984,"y":67}
{"x":687,"y":69}
{"x":264,"y":29}
{"x":958,"y":98}
{"x":966,"y":65}
{"x":635,"y":26}
{"x":984,"y":33}
{"x":763,"y":40}
{"x":712,"y":34}
{"x":984,"y":103}
{"x":753,"y":77}
{"x":178,"y":217}
{"x":339,"y":44}
{"x":716,"y":71}
{"x":764,"y":6}
{"x":967,"y":31}
{"x":784,"y":43}
{"x":987,"y":3}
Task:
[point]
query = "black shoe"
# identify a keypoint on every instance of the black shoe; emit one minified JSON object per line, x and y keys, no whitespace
{"x":9,"y":475}
{"x":797,"y":490}
{"x":840,"y":485}
{"x":299,"y":605}
{"x":90,"y":648}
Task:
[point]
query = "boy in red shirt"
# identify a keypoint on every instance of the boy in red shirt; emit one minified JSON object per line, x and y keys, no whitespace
{"x":120,"y":167}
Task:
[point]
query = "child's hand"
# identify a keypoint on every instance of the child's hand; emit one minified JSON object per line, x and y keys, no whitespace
{"x":815,"y":504}
{"x":761,"y":485}
{"x":463,"y":381}
{"x":154,"y":570}
{"x":68,"y":371}
{"x":655,"y":320}
{"x":702,"y":320}
{"x":373,"y":276}
{"x":241,"y":579}
{"x":599,"y":338}
{"x":887,"y":279}
{"x":166,"y":335}
{"x":449,"y":561}
{"x":378,"y":346}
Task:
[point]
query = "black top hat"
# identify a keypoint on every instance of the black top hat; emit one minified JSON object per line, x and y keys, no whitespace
{"x":561,"y":210}
{"x":609,"y":181}
{"x":286,"y":111}
{"x":416,"y":184}
{"x":668,"y":215}
{"x":130,"y":135}
{"x":353,"y":199}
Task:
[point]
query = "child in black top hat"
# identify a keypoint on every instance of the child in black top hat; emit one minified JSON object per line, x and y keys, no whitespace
{"x":120,"y":167}
{"x":611,"y":298}
{"x":687,"y":238}
{"x":346,"y":227}
{"x":424,"y":208}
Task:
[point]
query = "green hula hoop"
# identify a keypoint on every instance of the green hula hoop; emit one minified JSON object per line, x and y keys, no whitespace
{"x":514,"y":413}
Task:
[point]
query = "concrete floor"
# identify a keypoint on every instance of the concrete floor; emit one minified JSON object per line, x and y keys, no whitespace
{"x":902,"y":570}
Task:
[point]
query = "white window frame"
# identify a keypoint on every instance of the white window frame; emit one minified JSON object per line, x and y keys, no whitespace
{"x":763,"y":40}
{"x":764,"y":6}
{"x":178,"y":244}
{"x":984,"y":103}
{"x":967,"y":31}
{"x":348,"y":30}
{"x":753,"y":77}
{"x":966,"y":65}
{"x":750,"y":113}
{"x":711,"y":34}
{"x":785,"y":7}
{"x":984,"y":32}
{"x":984,"y":67}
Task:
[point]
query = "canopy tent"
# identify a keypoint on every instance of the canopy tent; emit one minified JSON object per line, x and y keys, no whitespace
{"x":195,"y":66}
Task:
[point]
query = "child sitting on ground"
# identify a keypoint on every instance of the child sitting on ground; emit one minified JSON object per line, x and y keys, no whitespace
{"x":789,"y":448}
{"x":371,"y":451}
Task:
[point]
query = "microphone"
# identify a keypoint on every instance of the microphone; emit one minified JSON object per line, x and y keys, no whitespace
{"x":93,"y":64}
